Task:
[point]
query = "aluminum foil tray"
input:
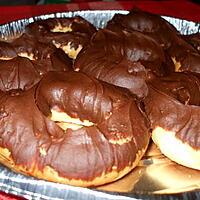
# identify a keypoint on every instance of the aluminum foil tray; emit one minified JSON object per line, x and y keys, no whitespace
{"x":156,"y":177}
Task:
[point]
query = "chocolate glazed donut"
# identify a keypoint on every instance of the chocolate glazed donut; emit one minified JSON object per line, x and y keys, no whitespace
{"x":184,"y":56}
{"x":69,"y":34}
{"x":80,"y":131}
{"x":22,"y":73}
{"x":25,"y":60}
{"x":124,"y":59}
{"x":173,"y":109}
{"x":148,"y":23}
{"x":25,"y":46}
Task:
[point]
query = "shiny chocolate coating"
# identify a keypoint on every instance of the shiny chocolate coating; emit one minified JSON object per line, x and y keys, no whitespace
{"x":82,"y":154}
{"x":22,"y":73}
{"x":6,"y":50}
{"x":193,"y":39}
{"x":27,"y":45}
{"x":184,"y":53}
{"x":173,"y":104}
{"x":151,"y":24}
{"x":183,"y":86}
{"x":18,"y":73}
{"x":79,"y":32}
{"x":162,"y":32}
{"x":125,"y":59}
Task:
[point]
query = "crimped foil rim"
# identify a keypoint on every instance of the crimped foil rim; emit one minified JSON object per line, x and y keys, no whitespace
{"x":16,"y":27}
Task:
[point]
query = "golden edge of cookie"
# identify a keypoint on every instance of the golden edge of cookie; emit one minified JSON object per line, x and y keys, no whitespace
{"x":65,"y":118}
{"x":62,"y":29}
{"x":177,"y":190}
{"x":177,"y":64}
{"x":70,"y":51}
{"x":175,"y":149}
{"x":49,"y":174}
{"x":6,"y":58}
{"x":30,"y":56}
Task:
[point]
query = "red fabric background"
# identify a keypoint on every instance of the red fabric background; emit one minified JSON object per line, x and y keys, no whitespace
{"x":181,"y":9}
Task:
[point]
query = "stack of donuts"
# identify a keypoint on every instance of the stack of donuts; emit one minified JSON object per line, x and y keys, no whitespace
{"x":79,"y":105}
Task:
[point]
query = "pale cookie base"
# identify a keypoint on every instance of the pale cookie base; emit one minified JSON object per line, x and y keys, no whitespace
{"x":71,"y":52}
{"x":176,"y":150}
{"x":65,"y":118}
{"x":51,"y":174}
{"x":61,"y":29}
{"x":6,"y":58}
{"x":25,"y":55}
{"x":177,"y":65}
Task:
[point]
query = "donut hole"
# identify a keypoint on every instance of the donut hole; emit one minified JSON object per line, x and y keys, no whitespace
{"x":64,"y":121}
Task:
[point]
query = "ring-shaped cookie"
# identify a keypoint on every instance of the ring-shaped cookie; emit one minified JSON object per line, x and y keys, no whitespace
{"x":172,"y":106}
{"x":72,"y":129}
{"x":124,"y":59}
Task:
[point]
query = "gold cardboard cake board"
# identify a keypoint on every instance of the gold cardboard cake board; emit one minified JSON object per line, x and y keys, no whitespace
{"x":156,"y":174}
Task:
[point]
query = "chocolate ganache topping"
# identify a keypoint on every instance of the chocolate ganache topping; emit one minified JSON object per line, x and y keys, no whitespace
{"x":90,"y":155}
{"x":124,"y":59}
{"x":173,"y":104}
